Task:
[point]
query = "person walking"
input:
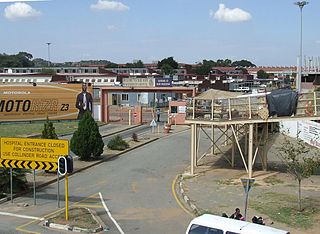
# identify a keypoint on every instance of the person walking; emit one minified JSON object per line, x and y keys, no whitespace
{"x":158,"y":115}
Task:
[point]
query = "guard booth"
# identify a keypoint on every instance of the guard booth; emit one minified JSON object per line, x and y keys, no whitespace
{"x":177,"y":112}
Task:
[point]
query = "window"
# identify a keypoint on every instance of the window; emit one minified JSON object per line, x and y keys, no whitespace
{"x":93,"y":80}
{"x":105,"y":80}
{"x":87,"y":80}
{"x":124,"y":97}
{"x":198,"y":229}
{"x":99,"y":80}
{"x":111,"y":80}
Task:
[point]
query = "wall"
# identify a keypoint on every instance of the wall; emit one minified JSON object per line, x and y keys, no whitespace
{"x":309,"y":131}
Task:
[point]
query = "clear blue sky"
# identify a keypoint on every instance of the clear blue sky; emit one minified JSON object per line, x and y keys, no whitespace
{"x":265,"y":32}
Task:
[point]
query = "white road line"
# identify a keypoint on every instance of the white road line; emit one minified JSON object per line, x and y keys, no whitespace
{"x":21,"y":216}
{"x":108,"y":212}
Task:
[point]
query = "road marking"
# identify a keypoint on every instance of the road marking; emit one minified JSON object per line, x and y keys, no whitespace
{"x":89,"y":206}
{"x":20,"y":228}
{"x":176,"y":197}
{"x":134,"y":187}
{"x":21,"y":216}
{"x":110,"y":216}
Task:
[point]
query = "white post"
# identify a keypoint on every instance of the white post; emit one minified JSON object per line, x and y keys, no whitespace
{"x":192,"y":148}
{"x":250,"y":154}
{"x":129,"y":117}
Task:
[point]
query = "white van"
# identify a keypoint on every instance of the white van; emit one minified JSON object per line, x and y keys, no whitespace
{"x":212,"y":224}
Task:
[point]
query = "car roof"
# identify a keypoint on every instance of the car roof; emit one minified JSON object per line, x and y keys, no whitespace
{"x":234,"y":225}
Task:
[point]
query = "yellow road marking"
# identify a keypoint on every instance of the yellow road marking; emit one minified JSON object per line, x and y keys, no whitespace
{"x":176,"y":197}
{"x":89,"y":206}
{"x":134,"y":187}
{"x":20,"y":228}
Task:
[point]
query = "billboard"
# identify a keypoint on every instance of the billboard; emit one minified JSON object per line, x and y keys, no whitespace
{"x":163,"y":82}
{"x":28,"y":102}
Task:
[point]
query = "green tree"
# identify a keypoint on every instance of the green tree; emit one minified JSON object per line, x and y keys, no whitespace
{"x":168,"y":61}
{"x":22,"y":59}
{"x":166,"y":69}
{"x":243,"y":63}
{"x":138,"y":64}
{"x":48,"y":131}
{"x":300,"y":165}
{"x":87,"y":142}
{"x":262,"y":74}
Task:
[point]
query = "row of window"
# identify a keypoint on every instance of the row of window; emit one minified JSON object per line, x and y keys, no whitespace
{"x":13,"y":80}
{"x":23,"y":80}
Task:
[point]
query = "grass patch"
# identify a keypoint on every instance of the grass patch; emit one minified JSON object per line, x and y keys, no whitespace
{"x":78,"y":217}
{"x":284,"y":208}
{"x":35,"y":128}
{"x":273,"y":180}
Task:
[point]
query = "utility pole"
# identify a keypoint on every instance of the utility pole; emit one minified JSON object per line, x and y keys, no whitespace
{"x":300,"y":4}
{"x":48,"y":43}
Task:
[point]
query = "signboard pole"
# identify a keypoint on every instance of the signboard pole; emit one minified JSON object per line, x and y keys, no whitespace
{"x":58,"y":192}
{"x":67,"y":194}
{"x":246,"y":202}
{"x":11,"y":185}
{"x":34,"y":187}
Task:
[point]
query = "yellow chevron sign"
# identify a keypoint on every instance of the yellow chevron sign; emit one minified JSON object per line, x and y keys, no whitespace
{"x":49,"y":166}
{"x":32,"y":150}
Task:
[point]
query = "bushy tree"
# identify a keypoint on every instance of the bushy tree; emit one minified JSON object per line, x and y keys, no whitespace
{"x":168,"y":61}
{"x":300,"y":164}
{"x":49,"y":131}
{"x":262,"y":74}
{"x":87,"y":141}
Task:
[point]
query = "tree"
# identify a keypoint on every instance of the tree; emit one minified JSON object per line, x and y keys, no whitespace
{"x":166,"y":69}
{"x":22,"y":59}
{"x":87,"y":141}
{"x":47,"y":71}
{"x":48,"y":131}
{"x":39,"y":62}
{"x":243,"y":63}
{"x":168,"y":61}
{"x":300,"y":164}
{"x":138,"y":64}
{"x":262,"y":74}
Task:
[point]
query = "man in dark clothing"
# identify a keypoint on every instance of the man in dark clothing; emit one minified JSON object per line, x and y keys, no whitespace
{"x":236,"y":215}
{"x":84,"y":101}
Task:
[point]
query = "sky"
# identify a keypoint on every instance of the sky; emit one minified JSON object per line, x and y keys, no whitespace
{"x":266,"y":32}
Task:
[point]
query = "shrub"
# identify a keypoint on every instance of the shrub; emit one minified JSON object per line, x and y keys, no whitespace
{"x":87,"y":141}
{"x":117,"y":143}
{"x":134,"y":136}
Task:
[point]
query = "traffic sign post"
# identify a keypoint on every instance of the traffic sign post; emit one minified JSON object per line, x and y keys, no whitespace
{"x":65,"y":166}
{"x":247,"y":184}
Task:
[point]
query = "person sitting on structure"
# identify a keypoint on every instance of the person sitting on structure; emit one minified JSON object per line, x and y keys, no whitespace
{"x":236,"y":215}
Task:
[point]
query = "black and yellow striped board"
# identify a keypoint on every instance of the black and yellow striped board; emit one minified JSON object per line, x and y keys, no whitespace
{"x":49,"y":166}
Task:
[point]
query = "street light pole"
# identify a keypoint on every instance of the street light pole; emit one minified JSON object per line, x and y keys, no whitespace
{"x":300,"y":4}
{"x":48,"y":43}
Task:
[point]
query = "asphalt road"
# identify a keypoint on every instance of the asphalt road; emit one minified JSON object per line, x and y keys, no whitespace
{"x":136,"y":187}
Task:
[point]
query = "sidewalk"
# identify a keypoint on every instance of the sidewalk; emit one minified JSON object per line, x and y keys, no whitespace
{"x":218,"y":189}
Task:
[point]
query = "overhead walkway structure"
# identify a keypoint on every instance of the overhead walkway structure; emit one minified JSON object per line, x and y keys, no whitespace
{"x":240,"y":116}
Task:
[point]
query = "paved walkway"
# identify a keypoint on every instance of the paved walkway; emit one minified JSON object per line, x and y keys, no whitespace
{"x":217,"y":189}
